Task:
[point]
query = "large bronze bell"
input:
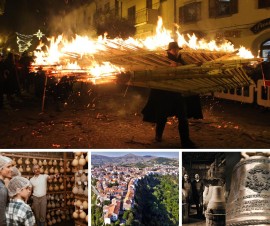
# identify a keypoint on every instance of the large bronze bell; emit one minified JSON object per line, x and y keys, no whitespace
{"x":249,"y":197}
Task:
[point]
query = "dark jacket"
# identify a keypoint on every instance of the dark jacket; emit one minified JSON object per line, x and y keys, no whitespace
{"x":163,"y":104}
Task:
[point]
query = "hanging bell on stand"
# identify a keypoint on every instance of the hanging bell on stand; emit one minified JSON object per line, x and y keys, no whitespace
{"x":249,"y":198}
{"x":216,"y":209}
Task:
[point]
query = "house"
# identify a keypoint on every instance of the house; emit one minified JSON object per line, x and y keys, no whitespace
{"x":111,"y":211}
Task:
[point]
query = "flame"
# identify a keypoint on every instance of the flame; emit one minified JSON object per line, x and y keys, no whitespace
{"x":79,"y":53}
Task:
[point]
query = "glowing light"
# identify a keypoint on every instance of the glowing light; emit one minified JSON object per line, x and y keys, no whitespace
{"x":39,"y":34}
{"x":83,"y":53}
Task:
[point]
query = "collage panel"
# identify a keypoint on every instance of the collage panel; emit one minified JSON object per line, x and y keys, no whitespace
{"x":41,"y":188}
{"x":225,"y":188}
{"x":135,"y":188}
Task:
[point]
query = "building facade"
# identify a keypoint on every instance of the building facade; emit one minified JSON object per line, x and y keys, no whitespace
{"x":244,"y":23}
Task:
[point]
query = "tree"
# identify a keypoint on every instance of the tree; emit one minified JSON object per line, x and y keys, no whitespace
{"x":125,"y":215}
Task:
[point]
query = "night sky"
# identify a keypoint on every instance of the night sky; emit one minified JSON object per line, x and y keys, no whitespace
{"x":28,"y":16}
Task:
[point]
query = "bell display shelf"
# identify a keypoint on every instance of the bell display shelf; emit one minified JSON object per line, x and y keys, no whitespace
{"x":60,"y":202}
{"x":80,"y":189}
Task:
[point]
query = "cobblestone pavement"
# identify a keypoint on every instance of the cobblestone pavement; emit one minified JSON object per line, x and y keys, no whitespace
{"x":111,"y":119}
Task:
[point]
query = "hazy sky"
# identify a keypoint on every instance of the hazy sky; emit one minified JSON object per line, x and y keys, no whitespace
{"x":153,"y":153}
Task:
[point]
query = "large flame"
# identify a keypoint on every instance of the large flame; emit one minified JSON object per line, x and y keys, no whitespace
{"x":79,"y":53}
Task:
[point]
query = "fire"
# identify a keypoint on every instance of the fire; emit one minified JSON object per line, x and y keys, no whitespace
{"x":86,"y":55}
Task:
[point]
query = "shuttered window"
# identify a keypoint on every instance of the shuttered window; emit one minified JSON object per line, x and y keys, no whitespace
{"x":263,"y":4}
{"x":190,"y":13}
{"x":220,"y":8}
{"x":131,"y":14}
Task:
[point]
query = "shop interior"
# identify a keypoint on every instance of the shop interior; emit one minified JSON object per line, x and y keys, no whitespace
{"x":214,"y":170}
{"x":67,"y":194}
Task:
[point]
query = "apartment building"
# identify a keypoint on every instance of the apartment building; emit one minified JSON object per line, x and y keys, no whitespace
{"x":242,"y":22}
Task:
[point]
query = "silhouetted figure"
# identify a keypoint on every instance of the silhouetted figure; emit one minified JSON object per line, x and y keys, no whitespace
{"x":197,"y":193}
{"x":187,"y":191}
{"x":25,"y":78}
{"x":1,"y":81}
{"x":163,"y":104}
{"x":11,"y":83}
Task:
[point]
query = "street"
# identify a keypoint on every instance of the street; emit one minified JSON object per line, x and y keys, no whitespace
{"x":111,"y":119}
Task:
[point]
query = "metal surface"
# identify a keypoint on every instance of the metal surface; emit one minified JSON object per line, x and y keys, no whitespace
{"x":249,"y":198}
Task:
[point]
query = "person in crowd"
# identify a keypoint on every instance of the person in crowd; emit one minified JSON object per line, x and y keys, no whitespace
{"x":5,"y":172}
{"x":39,"y":185}
{"x":1,"y":81}
{"x":266,"y":69}
{"x":17,"y":211}
{"x":187,"y":191}
{"x":163,"y":104}
{"x":11,"y":76}
{"x":25,"y":78}
{"x":197,"y":193}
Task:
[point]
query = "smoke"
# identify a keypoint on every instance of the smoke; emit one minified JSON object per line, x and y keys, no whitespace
{"x":122,"y":103}
{"x":77,"y":21}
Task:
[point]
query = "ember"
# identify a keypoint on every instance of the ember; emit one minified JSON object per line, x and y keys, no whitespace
{"x":101,"y":60}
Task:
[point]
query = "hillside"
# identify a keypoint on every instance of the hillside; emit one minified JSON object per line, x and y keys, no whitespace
{"x":132,"y":160}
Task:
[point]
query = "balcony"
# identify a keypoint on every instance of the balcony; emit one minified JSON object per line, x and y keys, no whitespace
{"x":147,"y":16}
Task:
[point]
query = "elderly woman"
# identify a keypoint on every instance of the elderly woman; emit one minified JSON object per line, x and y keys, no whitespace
{"x":5,"y":172}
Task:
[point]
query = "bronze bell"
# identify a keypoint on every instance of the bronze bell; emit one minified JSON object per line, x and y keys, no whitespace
{"x":249,"y":198}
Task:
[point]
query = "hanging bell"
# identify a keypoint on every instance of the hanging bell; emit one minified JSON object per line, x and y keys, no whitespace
{"x":82,"y":161}
{"x":216,"y":213}
{"x":249,"y":198}
{"x":41,"y":170}
{"x":75,"y":161}
{"x":27,"y":162}
{"x":46,"y":171}
{"x":62,"y":170}
{"x":45,"y":162}
{"x":55,"y":162}
{"x":21,"y":169}
{"x":34,"y":162}
{"x":51,"y":170}
{"x":40,"y":163}
{"x":20,"y":161}
{"x":56,"y":171}
{"x":28,"y":169}
{"x":13,"y":161}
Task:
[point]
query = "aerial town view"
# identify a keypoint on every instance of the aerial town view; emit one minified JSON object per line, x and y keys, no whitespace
{"x":135,"y":188}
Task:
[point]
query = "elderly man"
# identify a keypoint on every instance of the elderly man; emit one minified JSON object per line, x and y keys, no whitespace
{"x":197,"y":193}
{"x":5,"y":172}
{"x":39,"y":183}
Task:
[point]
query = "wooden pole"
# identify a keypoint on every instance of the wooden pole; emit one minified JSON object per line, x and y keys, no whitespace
{"x":44,"y":93}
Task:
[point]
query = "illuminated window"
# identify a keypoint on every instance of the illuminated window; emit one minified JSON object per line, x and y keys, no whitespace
{"x":190,"y":12}
{"x":220,"y":8}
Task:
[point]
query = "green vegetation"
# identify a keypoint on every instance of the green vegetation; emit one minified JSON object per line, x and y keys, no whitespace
{"x":157,"y":201}
{"x":165,"y":161}
{"x":96,"y":212}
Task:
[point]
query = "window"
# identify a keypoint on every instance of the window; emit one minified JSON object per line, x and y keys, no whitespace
{"x":107,"y":7}
{"x":263,"y":4}
{"x":149,"y":4}
{"x":131,"y":14}
{"x":190,"y":12}
{"x":220,"y":8}
{"x":265,"y":49}
{"x":116,"y":3}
